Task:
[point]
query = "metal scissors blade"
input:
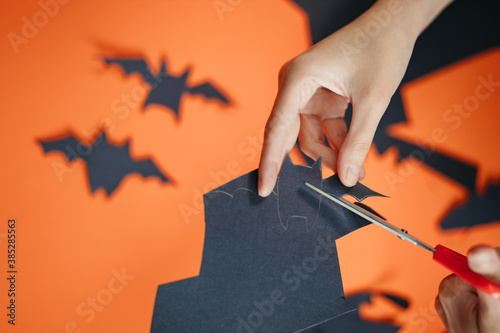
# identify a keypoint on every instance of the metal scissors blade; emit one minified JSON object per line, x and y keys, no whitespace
{"x":450,"y":259}
{"x":401,"y":233}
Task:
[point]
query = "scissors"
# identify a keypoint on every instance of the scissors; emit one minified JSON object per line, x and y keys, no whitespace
{"x":450,"y":259}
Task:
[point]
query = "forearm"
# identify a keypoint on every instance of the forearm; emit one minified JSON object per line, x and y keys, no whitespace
{"x":410,"y":17}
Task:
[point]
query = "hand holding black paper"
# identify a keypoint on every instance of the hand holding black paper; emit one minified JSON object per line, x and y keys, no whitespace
{"x":316,"y":87}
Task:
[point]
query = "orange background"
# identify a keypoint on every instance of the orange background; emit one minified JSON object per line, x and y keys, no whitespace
{"x":70,"y":241}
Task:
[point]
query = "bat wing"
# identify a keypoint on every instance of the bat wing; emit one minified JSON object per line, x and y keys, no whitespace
{"x":132,"y":65}
{"x":147,"y":168}
{"x":401,"y":302}
{"x":68,"y":145}
{"x":110,"y":177}
{"x":209,"y":91}
{"x":353,"y":322}
{"x":461,"y":172}
{"x":334,"y":186}
{"x":476,"y":210}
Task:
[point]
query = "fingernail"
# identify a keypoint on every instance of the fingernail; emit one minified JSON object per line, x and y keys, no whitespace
{"x":263,"y":191}
{"x":352,"y":175}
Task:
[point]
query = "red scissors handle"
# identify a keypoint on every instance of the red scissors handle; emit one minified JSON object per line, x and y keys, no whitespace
{"x":458,"y":264}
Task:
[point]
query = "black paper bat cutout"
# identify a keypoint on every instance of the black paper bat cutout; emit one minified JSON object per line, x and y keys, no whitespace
{"x":166,"y":90}
{"x":107,"y":164}
{"x":446,"y":41}
{"x":269,"y":264}
{"x":476,"y":210}
{"x":352,"y":322}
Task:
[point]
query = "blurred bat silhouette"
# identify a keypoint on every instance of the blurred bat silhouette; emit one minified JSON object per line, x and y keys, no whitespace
{"x":353,"y":322}
{"x":477,"y":209}
{"x":107,"y":164}
{"x":165,"y":89}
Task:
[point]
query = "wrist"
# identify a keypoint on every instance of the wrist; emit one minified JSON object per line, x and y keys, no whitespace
{"x":409,"y":18}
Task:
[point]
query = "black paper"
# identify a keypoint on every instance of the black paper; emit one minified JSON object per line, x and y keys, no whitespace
{"x":269,"y":264}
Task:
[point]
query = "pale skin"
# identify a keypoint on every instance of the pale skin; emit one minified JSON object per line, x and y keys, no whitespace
{"x":315,"y":89}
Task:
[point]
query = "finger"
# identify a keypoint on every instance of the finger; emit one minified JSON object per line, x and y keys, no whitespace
{"x":281,"y":133}
{"x":459,"y":303}
{"x":352,"y":154}
{"x":485,"y":260}
{"x":278,"y":142}
{"x":312,"y":141}
{"x":441,"y":313}
{"x":362,"y":173}
{"x":336,"y":131}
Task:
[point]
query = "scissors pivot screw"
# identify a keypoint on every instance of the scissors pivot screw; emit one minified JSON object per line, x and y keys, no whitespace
{"x":404,"y":232}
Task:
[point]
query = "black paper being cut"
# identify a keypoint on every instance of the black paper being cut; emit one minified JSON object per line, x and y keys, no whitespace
{"x":269,"y":264}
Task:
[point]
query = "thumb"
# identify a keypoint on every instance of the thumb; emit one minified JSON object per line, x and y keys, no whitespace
{"x":352,"y":154}
{"x":485,"y":260}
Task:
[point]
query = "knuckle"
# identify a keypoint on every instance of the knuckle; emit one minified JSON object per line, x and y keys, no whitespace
{"x":359,"y":149}
{"x":437,"y":304}
{"x":276,"y":125}
{"x":307,"y":147}
{"x":283,"y":70}
{"x":286,"y":68}
{"x":299,"y":68}
{"x":339,"y":135}
{"x":439,"y":307}
{"x":448,"y":288}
